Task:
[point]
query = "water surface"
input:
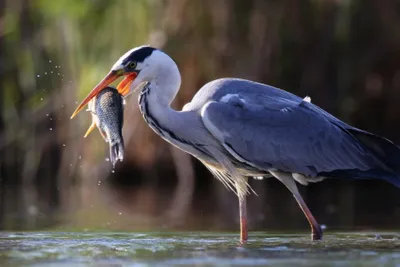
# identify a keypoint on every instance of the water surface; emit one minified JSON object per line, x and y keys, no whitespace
{"x":196,"y":248}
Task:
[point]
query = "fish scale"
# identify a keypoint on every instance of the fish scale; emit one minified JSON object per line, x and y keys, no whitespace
{"x":107,"y":110}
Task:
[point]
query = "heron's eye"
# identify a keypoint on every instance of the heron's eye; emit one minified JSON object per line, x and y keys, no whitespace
{"x":132,"y":64}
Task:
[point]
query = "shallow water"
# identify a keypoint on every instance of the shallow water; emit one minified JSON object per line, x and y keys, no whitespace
{"x":196,"y":248}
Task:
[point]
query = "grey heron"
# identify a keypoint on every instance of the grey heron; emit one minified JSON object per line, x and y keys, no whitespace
{"x":239,"y":129}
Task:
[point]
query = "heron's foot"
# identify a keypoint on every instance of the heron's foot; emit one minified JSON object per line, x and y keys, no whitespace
{"x":316,"y":233}
{"x":243,"y":241}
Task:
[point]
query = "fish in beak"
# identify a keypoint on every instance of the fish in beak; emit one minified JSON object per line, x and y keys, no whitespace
{"x":107,"y":109}
{"x":123,"y":87}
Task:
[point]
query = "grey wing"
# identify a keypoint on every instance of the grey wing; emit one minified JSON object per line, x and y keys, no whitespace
{"x":285,"y":134}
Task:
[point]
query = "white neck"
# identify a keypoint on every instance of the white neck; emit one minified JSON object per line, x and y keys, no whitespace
{"x":164,"y":81}
{"x":155,"y":100}
{"x":163,"y":75}
{"x":184,"y":129}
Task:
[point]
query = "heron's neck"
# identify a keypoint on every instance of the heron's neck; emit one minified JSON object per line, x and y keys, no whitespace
{"x":165,"y":85}
{"x":183,"y":129}
{"x":155,"y":102}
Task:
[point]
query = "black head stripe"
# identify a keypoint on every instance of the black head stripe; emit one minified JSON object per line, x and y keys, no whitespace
{"x":139,"y":55}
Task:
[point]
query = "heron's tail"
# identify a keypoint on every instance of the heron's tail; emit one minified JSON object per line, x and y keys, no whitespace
{"x":382,"y":148}
{"x":370,"y":174}
{"x":385,"y":151}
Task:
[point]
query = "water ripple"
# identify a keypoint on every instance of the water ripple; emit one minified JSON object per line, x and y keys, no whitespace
{"x":192,"y":248}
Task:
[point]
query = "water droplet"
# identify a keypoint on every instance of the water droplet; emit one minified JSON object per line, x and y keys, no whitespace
{"x":63,"y":144}
{"x":76,"y":102}
{"x":107,"y":159}
{"x":51,"y":119}
{"x":38,"y":75}
{"x":119,"y":213}
{"x":51,"y":129}
{"x":47,"y":114}
{"x":49,"y":61}
{"x":70,"y":165}
{"x":56,"y":66}
{"x":58,"y":73}
{"x":113,"y":171}
{"x":41,"y":98}
{"x":45,"y":73}
{"x":80,"y":157}
{"x":51,"y":71}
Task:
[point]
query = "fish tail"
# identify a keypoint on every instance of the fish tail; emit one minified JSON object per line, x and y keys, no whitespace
{"x":117,"y":152}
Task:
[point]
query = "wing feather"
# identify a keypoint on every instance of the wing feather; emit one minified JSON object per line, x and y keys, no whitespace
{"x":290,"y":135}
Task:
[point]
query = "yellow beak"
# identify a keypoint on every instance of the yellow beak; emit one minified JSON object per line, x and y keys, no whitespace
{"x":110,"y":77}
{"x":123,"y":87}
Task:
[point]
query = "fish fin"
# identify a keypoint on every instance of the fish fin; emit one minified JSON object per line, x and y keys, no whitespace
{"x":104,"y":134}
{"x":91,"y":127}
{"x":117,"y":152}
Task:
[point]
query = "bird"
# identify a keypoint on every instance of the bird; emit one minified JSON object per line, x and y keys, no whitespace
{"x":242,"y":129}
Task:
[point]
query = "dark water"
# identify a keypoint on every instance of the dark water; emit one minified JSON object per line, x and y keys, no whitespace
{"x":196,"y":248}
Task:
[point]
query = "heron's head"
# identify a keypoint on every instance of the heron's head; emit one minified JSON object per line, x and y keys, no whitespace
{"x":138,"y":65}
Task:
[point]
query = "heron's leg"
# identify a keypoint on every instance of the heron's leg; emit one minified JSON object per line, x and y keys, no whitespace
{"x":242,"y":210}
{"x":316,"y":230}
{"x":243,"y":219}
{"x":288,"y":181}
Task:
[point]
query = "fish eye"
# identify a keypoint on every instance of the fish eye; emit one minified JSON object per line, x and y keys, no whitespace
{"x":132,"y":64}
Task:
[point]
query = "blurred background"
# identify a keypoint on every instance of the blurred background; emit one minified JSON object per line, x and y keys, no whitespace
{"x":345,"y":54}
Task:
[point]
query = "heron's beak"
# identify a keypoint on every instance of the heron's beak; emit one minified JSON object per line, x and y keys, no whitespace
{"x":124,"y":87}
{"x":110,"y":77}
